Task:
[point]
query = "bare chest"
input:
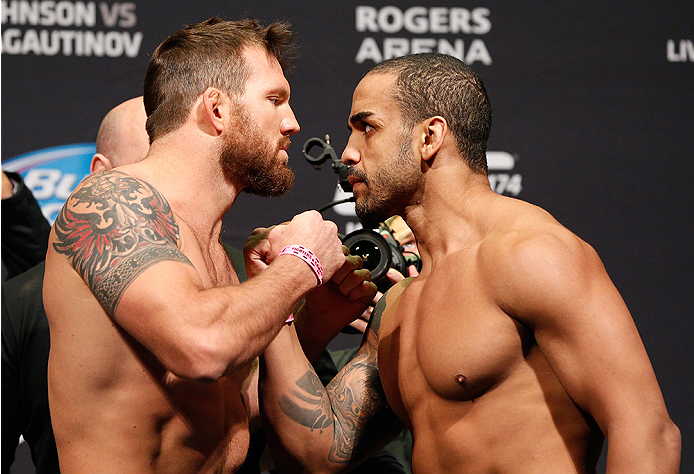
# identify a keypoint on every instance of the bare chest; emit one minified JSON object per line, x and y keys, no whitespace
{"x":218,"y":267}
{"x":445,"y":339}
{"x":209,"y":258}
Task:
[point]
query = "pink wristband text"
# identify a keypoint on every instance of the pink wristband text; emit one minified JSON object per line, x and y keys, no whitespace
{"x":307,"y":256}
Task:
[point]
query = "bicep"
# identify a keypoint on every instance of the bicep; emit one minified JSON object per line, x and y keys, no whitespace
{"x":364,"y":422}
{"x":351,"y":396}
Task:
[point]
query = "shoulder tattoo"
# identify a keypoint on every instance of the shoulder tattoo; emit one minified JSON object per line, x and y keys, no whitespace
{"x":377,"y":314}
{"x":113,"y":228}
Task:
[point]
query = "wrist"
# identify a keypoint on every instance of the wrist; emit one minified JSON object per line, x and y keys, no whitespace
{"x":307,"y":256}
{"x":314,"y":335}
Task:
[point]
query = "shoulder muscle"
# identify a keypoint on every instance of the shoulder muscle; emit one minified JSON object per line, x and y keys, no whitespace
{"x":539,"y":273}
{"x":112,"y":228}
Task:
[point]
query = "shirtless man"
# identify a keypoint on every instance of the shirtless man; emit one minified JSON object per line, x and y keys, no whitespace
{"x":152,"y":335}
{"x":121,"y":140}
{"x":512,"y":351}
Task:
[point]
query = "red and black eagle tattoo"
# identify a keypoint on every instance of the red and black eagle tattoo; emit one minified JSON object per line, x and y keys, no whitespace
{"x":112,"y":228}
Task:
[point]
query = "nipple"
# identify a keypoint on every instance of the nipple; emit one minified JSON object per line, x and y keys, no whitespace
{"x":461,"y":379}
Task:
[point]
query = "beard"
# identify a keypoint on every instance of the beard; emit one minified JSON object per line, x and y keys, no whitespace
{"x":247,"y":158}
{"x":389,"y":189}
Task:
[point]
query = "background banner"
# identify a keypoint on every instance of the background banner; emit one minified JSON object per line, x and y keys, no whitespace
{"x":593,"y":108}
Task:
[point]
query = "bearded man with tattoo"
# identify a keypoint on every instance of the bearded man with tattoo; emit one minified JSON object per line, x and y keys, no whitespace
{"x":512,"y":351}
{"x":152,"y":335}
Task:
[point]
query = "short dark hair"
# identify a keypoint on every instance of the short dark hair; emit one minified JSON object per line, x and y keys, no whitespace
{"x":430,"y":84}
{"x":207,"y":54}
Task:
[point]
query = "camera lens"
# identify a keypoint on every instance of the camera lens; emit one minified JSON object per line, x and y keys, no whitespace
{"x":373,"y":249}
{"x":369,"y":252}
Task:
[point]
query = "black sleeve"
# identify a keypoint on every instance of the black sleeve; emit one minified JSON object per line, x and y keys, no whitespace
{"x":11,"y":404}
{"x":25,"y":348}
{"x":24,"y":230}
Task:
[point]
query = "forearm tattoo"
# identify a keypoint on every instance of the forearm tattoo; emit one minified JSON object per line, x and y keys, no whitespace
{"x":348,"y":403}
{"x":113,"y":228}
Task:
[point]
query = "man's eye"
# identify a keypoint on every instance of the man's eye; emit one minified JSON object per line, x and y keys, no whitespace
{"x":368,"y":128}
{"x":274,"y":100}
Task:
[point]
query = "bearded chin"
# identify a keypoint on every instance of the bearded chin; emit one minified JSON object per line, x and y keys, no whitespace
{"x":269,"y":181}
{"x":372,"y":213}
{"x":390,"y":189}
{"x":250,"y":161}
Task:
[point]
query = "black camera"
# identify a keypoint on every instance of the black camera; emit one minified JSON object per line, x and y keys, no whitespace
{"x":380,"y":252}
{"x":379,"y":249}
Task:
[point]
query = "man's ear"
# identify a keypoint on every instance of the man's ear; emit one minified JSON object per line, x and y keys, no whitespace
{"x":100,"y":163}
{"x":432,"y":133}
{"x":210,"y":111}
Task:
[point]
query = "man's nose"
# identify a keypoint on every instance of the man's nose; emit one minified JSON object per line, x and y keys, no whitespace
{"x":289,"y":125}
{"x":350,"y":156}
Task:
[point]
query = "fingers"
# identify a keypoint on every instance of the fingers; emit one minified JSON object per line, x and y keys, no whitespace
{"x":394,"y":276}
{"x":352,"y":262}
{"x":262,"y":230}
{"x":354,"y":281}
{"x":258,"y":245}
{"x":376,"y":299}
{"x":365,"y":292}
{"x":357,"y":288}
{"x":257,"y":251}
{"x":412,"y":271}
{"x":359,"y":324}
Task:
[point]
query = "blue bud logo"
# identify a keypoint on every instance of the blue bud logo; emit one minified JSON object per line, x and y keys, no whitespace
{"x":53,"y":173}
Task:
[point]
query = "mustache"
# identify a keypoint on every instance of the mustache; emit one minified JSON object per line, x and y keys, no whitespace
{"x":360,"y":175}
{"x":284,"y":142}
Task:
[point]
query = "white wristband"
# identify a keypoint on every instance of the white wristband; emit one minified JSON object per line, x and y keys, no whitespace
{"x":307,"y":256}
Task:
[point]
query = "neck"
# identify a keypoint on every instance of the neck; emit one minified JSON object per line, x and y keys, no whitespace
{"x":444,"y":218}
{"x":191,"y":180}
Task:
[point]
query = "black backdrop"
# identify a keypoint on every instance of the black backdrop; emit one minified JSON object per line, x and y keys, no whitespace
{"x":593,"y":105}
